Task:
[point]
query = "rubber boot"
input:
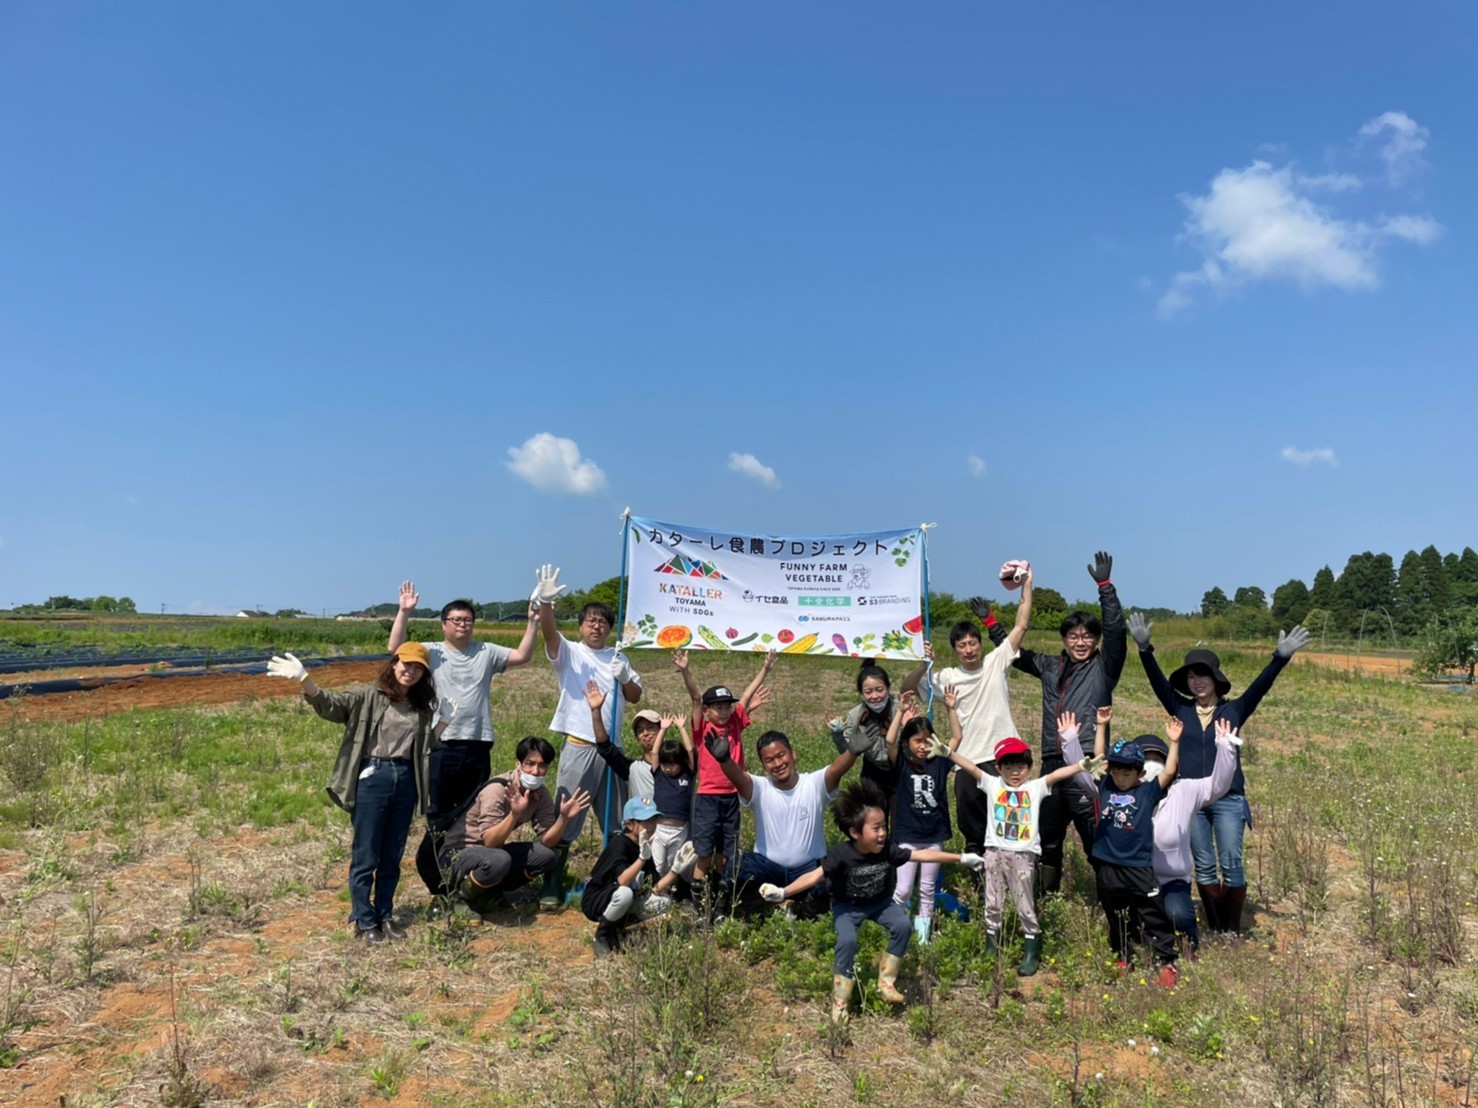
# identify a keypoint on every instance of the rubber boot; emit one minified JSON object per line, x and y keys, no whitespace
{"x":607,"y":938}
{"x":888,"y":978}
{"x":1233,"y":898}
{"x":923,"y":927}
{"x":1032,"y":958}
{"x":553,"y":896}
{"x":1049,"y":880}
{"x":1211,"y":897}
{"x":841,"y":996}
{"x":990,"y":944}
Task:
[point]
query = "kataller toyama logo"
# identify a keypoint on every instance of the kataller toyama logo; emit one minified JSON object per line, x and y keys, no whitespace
{"x":686,"y":567}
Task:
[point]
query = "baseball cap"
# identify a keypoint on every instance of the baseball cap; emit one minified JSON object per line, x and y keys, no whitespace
{"x":1126,"y":754}
{"x":717,"y":695}
{"x":414,"y":652}
{"x":1012,"y":745}
{"x":639,"y":808}
{"x":647,"y":715}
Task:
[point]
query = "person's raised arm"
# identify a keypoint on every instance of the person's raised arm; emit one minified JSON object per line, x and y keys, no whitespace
{"x":546,"y":592}
{"x":570,"y":807}
{"x":523,"y":653}
{"x":595,"y":696}
{"x":410,"y":599}
{"x":1140,"y":630}
{"x":680,"y":660}
{"x":1172,"y":760}
{"x":1289,"y":643}
{"x":738,"y":776}
{"x":332,"y":706}
{"x":907,"y":709}
{"x":1224,"y":770}
{"x":1023,"y":614}
{"x":759,"y":679}
{"x":838,"y":769}
{"x":681,"y":723}
{"x":1104,"y":719}
{"x":1072,"y":752}
{"x":1115,"y":647}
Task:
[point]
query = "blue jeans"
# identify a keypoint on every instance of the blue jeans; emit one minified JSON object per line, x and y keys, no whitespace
{"x":384,"y":805}
{"x":848,"y":917}
{"x":1222,"y":822}
{"x":1175,"y":898}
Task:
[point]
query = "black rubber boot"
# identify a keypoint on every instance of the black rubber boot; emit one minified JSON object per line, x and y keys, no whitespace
{"x":553,"y":896}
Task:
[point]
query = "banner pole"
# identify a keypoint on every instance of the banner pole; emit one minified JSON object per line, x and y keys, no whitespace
{"x":617,"y":697}
{"x":924,"y":529}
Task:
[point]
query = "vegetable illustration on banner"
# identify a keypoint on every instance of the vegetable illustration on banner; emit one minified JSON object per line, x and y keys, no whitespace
{"x":838,"y":595}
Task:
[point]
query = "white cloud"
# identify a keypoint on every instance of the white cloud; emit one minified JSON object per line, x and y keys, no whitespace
{"x":1261,"y":223}
{"x":1309,"y":457}
{"x":1405,"y":141}
{"x":977,"y":466}
{"x":553,"y":464}
{"x":751,"y":466}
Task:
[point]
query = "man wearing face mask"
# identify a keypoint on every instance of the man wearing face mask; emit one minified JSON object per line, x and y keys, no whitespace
{"x":482,"y":861}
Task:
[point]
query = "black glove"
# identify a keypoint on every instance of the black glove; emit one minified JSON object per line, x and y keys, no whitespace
{"x":1102,"y":568}
{"x":718,"y":746}
{"x":980,"y":606}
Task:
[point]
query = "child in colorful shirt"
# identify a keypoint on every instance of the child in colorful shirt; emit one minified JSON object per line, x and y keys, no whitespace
{"x":1012,"y":836}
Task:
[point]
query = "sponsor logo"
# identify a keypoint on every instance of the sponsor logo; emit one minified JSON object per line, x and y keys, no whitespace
{"x":686,"y":567}
{"x":824,"y":601}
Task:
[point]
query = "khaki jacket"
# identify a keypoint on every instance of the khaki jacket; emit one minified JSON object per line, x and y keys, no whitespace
{"x":359,"y":710}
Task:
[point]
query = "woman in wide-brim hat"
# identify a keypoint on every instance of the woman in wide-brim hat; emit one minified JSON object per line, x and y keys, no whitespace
{"x":381,"y":776}
{"x":1196,"y":694}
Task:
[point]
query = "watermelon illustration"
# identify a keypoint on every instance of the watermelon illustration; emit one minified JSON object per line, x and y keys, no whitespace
{"x":915,"y":625}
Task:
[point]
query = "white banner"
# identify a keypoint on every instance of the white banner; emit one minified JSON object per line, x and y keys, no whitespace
{"x":847,"y":595}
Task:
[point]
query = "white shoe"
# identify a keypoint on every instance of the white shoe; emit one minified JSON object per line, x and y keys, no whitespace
{"x":654,"y":905}
{"x":684,"y":861}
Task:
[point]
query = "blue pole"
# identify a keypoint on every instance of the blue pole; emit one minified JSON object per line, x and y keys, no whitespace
{"x":928,"y":630}
{"x":613,"y":819}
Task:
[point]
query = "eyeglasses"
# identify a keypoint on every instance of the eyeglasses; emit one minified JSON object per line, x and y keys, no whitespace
{"x":1080,"y":636}
{"x":460,"y":621}
{"x":597,"y":621}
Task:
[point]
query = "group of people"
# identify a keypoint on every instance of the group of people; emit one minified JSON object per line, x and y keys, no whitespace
{"x":1153,"y":813}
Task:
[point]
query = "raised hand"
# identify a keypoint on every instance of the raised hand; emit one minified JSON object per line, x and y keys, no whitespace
{"x":770,"y":656}
{"x":670,"y":721}
{"x":951,"y":697}
{"x":1093,"y":767}
{"x":572,"y":806}
{"x":718,"y":746}
{"x":938,"y":748}
{"x":1104,"y":715}
{"x":761,"y":697}
{"x":980,"y":607}
{"x":1067,"y":722}
{"x":1224,"y":730}
{"x":1292,"y":642}
{"x":1102,"y":568}
{"x":680,"y":659}
{"x":518,"y":799}
{"x":595,"y":696}
{"x":287,"y":665}
{"x":1139,"y":630}
{"x":908,"y":708}
{"x":410,"y":599}
{"x":547,"y":587}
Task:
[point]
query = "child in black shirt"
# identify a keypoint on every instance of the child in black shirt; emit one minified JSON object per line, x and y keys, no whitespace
{"x":1123,"y":848}
{"x":921,"y":806}
{"x":611,"y":896}
{"x":861,"y":873}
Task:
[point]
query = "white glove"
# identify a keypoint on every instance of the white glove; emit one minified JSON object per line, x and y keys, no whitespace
{"x":447,"y":709}
{"x":1139,"y":630}
{"x":1293,"y":641}
{"x":287,"y":665}
{"x":547,"y":591}
{"x":974,"y":861}
{"x":645,"y":847}
{"x":771,"y":894}
{"x":1092,"y":766}
{"x":938,"y":748}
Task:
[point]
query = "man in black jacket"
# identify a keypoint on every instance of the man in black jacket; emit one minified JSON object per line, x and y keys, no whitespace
{"x":1079,"y":680}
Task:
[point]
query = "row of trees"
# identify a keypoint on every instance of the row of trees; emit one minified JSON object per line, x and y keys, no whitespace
{"x":1427,"y":587}
{"x":122,"y":604}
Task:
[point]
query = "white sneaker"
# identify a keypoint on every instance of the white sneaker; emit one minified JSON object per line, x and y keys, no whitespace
{"x":684,"y":861}
{"x":654,"y":905}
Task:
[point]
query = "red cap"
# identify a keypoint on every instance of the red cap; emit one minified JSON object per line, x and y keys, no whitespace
{"x":1013,"y":745}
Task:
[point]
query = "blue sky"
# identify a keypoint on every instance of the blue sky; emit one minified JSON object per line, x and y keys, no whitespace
{"x":300,"y":300}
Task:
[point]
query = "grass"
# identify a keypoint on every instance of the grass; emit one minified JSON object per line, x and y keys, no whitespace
{"x":172,"y":928}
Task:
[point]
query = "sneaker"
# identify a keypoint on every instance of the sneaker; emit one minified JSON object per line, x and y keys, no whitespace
{"x":684,"y":861}
{"x":372,"y":936}
{"x":550,"y":903}
{"x":390,"y":931}
{"x":1167,"y":976}
{"x":654,"y":905}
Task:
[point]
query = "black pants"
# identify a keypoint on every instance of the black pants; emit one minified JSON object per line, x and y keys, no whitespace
{"x":885,"y":780}
{"x":457,"y":768}
{"x":1130,"y":894}
{"x":972,"y":811}
{"x":1068,"y":803}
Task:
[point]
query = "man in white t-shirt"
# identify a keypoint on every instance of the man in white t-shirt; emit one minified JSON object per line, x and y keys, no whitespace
{"x":984,"y":706}
{"x":789,"y":818}
{"x":462,"y":669}
{"x":576,"y":663}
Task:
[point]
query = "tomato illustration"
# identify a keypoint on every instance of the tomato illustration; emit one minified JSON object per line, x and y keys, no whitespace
{"x":786,"y":636}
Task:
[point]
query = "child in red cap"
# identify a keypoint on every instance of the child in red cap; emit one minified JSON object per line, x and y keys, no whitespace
{"x":1012,"y":841}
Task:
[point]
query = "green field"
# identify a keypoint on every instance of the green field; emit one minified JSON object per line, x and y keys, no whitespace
{"x":172,"y":930}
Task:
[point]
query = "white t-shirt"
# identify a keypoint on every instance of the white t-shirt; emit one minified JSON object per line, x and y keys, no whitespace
{"x":466,"y":676}
{"x":1012,"y":815}
{"x":576,"y":665}
{"x":790,"y":824}
{"x":985,"y":706}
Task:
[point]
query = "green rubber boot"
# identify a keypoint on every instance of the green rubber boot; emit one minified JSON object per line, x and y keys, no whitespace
{"x":1032,"y":958}
{"x":553,"y":896}
{"x":991,"y":948}
{"x":1049,"y":880}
